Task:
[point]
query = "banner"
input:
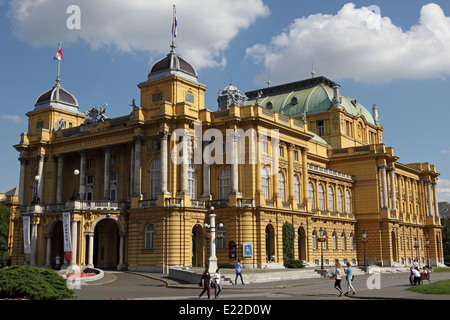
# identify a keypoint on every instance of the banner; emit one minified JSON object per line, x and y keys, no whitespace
{"x":26,"y":235}
{"x":67,"y":236}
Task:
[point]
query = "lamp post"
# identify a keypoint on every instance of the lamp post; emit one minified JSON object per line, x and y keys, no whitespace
{"x":212,"y":229}
{"x":428,"y":251}
{"x":75,"y":194}
{"x":36,"y":199}
{"x":416,"y":246}
{"x":321,"y":239}
{"x":364,"y":241}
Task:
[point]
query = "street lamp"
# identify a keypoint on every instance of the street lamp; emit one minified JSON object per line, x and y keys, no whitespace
{"x":364,"y":240}
{"x":428,"y":251}
{"x":212,"y":229}
{"x":321,"y":239}
{"x":36,"y":199}
{"x":75,"y":194}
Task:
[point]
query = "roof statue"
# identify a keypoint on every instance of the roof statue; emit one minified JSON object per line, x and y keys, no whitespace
{"x":94,"y":115}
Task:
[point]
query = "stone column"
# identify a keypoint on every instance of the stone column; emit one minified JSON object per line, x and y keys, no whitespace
{"x":164,"y":135}
{"x":384,"y":186}
{"x":82,"y":190}
{"x":33,"y":237}
{"x":132,"y":168}
{"x":59,"y":181}
{"x":137,"y":166}
{"x":275,"y":153}
{"x":91,"y":249}
{"x":23,"y":163}
{"x":48,"y":252}
{"x":40,"y":171}
{"x":185,"y":164}
{"x":393,"y":189}
{"x":121,"y":265}
{"x":106,"y":186}
{"x":435,"y":201}
{"x":74,"y":234}
{"x":429,"y":198}
{"x":234,"y":164}
{"x":290,"y":177}
{"x":304,"y":152}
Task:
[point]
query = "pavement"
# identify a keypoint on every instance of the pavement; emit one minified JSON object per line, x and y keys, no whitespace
{"x":156,"y":286}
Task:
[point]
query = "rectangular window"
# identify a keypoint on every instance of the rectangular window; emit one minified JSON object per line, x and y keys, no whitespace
{"x":296,"y":155}
{"x":157,"y":97}
{"x":39,"y":124}
{"x":320,"y":128}
{"x":189,"y":97}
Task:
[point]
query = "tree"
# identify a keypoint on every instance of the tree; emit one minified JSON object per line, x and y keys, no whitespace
{"x":288,"y":241}
{"x":446,"y":238}
{"x":5,"y":217}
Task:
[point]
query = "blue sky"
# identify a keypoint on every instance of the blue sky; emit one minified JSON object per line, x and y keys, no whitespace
{"x":395,"y":55}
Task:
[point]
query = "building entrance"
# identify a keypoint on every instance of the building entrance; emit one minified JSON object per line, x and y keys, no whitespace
{"x":106,"y":244}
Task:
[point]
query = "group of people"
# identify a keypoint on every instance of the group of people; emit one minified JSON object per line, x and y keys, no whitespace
{"x":339,"y":274}
{"x":416,"y":276}
{"x":206,"y":282}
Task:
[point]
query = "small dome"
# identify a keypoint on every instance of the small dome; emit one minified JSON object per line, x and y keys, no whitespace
{"x":230,"y":95}
{"x":172,"y":65}
{"x":57,"y":97}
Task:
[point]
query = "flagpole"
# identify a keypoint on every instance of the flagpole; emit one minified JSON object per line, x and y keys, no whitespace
{"x":174,"y":28}
{"x":59,"y":66}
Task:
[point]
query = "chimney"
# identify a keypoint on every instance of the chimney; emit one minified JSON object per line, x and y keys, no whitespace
{"x":337,"y":99}
{"x":375,"y":115}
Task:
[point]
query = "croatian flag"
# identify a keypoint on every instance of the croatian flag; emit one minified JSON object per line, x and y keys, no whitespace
{"x":58,"y":55}
{"x":175,"y":23}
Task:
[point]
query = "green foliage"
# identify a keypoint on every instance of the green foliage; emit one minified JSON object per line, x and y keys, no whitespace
{"x":288,"y":241}
{"x":291,"y":263}
{"x":446,"y":238}
{"x":33,"y":283}
{"x":5,"y":217}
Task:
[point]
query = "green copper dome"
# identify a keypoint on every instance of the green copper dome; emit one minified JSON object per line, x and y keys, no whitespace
{"x":311,"y":96}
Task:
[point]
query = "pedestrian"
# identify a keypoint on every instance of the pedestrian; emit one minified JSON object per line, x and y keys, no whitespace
{"x":411,"y":276}
{"x":205,"y":283}
{"x":238,"y":272}
{"x":217,"y":285}
{"x":349,"y":277}
{"x":416,"y":274}
{"x":57,"y":261}
{"x":416,"y":264}
{"x":338,"y":277}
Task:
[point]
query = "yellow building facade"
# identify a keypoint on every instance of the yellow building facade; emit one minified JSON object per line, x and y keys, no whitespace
{"x":141,"y":189}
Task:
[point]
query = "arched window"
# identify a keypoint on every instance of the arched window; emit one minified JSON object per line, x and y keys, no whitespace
{"x":339,"y":199}
{"x":281,"y":185}
{"x":343,"y":240}
{"x":149,"y":232}
{"x":265,"y":183}
{"x":314,"y":240}
{"x":311,"y":194}
{"x":334,"y":241}
{"x":348,"y":201}
{"x":224,"y":184}
{"x":155,"y":178}
{"x":321,"y":198}
{"x":297,"y":188}
{"x":191,"y":179}
{"x":330,"y":199}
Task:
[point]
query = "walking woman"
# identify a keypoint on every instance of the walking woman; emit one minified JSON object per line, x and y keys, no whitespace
{"x":338,"y":275}
{"x":206,"y":281}
{"x":216,"y":281}
{"x":349,"y":272}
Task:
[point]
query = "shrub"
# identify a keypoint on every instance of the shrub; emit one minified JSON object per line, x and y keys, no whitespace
{"x":33,"y":283}
{"x":291,"y":263}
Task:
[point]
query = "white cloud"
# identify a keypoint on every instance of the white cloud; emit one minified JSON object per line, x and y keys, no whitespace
{"x":205,"y":27}
{"x":360,"y":44}
{"x":13,"y":118}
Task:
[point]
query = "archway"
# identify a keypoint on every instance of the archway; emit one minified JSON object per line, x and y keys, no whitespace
{"x":106,"y":244}
{"x":197,"y":246}
{"x":394,"y":247}
{"x":270,"y":241}
{"x":302,"y":244}
{"x":57,"y":243}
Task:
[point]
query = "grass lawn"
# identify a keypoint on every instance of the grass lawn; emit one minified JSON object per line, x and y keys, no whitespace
{"x":440,"y":287}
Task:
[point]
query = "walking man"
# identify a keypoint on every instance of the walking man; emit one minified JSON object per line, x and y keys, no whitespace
{"x":238,"y":272}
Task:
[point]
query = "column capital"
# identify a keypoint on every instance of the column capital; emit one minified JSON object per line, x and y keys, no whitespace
{"x":164,"y":135}
{"x":382,"y":166}
{"x":23,"y":160}
{"x":391,"y":169}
